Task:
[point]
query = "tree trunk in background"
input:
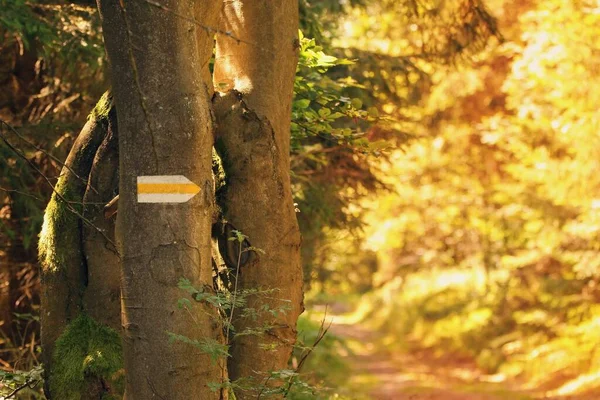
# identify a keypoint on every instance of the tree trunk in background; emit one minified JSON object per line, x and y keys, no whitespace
{"x":82,"y":355}
{"x":159,"y":64}
{"x":253,"y":138}
{"x":62,"y":273}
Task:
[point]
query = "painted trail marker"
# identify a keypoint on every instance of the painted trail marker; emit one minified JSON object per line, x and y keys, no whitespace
{"x":165,"y":189}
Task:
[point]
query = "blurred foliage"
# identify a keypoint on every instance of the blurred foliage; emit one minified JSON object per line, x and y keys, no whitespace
{"x":51,"y":58}
{"x":319,"y":18}
{"x":330,"y":150}
{"x":381,"y":96}
{"x":488,"y":244}
{"x":51,"y":72}
{"x":400,"y":44}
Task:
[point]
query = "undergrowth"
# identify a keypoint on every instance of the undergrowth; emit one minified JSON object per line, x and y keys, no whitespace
{"x":500,"y":324}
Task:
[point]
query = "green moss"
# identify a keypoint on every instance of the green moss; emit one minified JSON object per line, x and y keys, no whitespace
{"x":86,"y":352}
{"x":59,"y":236}
{"x":103,"y":107}
{"x":60,"y":228}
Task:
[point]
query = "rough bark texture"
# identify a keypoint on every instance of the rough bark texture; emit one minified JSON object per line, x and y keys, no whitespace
{"x":102,"y":297}
{"x":161,"y":83}
{"x":253,"y":134}
{"x":158,"y":61}
{"x":64,"y":273}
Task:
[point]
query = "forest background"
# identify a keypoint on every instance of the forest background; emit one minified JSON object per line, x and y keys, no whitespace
{"x":444,"y":161}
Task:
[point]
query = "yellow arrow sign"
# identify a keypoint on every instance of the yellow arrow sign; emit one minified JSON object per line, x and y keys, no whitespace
{"x":165,"y":189}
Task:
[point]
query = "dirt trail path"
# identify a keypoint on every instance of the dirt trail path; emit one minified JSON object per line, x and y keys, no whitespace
{"x":382,"y":374}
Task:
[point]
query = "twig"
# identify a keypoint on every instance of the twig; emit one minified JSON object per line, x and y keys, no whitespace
{"x":56,"y":159}
{"x":264,"y":386}
{"x":87,"y":203}
{"x":23,"y":386}
{"x":207,"y":28}
{"x":235,"y":286}
{"x":60,"y":196}
{"x":322,"y":332}
{"x":21,"y":193}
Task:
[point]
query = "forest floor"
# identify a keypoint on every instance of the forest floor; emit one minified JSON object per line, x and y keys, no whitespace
{"x":381,"y":373}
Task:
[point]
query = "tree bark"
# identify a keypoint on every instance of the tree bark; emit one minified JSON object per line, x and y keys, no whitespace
{"x":159,"y":64}
{"x":253,"y":138}
{"x":102,"y":296}
{"x":159,"y":55}
{"x":62,"y":271}
{"x":63,"y":268}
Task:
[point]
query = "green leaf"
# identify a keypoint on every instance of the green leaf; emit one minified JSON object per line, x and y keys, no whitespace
{"x":324,"y":112}
{"x":373,"y":112}
{"x":302,"y":104}
{"x":181,"y":303}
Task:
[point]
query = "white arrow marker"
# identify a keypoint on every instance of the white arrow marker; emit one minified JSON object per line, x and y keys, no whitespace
{"x":165,"y":189}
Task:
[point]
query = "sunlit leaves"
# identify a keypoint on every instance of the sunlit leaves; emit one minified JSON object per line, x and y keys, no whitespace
{"x":507,"y":183}
{"x":319,"y":102}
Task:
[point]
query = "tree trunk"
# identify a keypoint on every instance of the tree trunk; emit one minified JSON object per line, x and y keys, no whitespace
{"x":253,"y":135}
{"x":159,"y":55}
{"x":65,"y":273}
{"x":62,"y":271}
{"x":159,"y":63}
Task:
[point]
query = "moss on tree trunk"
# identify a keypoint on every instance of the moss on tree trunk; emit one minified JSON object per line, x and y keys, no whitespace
{"x":65,"y":266}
